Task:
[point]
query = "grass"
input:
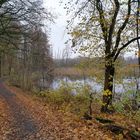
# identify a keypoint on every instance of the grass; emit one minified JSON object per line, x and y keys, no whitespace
{"x":128,"y":71}
{"x":77,"y":72}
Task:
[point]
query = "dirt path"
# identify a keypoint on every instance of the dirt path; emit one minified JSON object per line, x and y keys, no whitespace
{"x":21,"y":124}
{"x":25,"y":117}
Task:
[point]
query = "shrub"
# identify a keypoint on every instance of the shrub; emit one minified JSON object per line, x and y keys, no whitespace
{"x":64,"y":99}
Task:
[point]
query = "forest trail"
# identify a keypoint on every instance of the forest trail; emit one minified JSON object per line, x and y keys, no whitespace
{"x":24,"y":116}
{"x":21,"y":123}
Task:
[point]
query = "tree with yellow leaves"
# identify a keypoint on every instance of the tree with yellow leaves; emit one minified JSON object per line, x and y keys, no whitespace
{"x":105,"y":28}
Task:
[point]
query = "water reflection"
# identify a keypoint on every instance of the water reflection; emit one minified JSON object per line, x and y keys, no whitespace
{"x":124,"y":85}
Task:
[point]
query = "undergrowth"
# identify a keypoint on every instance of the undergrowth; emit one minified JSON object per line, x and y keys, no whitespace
{"x":76,"y":99}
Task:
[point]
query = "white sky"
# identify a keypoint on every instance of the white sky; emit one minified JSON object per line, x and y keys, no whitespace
{"x":58,"y":35}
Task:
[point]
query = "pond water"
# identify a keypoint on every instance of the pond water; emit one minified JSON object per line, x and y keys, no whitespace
{"x":126,"y":84}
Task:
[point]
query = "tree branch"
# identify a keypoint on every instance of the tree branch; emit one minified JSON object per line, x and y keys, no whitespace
{"x":113,"y":22}
{"x":122,"y":28}
{"x":124,"y":46}
{"x":137,"y":23}
{"x":102,"y":21}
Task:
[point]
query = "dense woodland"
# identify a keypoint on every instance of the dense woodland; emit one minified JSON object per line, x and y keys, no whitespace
{"x":25,"y":55}
{"x":101,"y":32}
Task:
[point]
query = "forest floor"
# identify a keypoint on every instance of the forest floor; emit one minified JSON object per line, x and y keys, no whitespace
{"x":26,"y":117}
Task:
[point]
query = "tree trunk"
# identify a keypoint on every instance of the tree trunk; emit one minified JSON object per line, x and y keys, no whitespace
{"x":108,"y":87}
{"x":139,"y":60}
{"x":0,"y":64}
{"x":137,"y":32}
{"x":138,"y":78}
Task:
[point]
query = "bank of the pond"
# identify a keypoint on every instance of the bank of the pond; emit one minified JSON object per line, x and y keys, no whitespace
{"x":126,"y":85}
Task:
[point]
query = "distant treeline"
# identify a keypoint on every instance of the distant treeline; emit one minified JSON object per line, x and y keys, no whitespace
{"x":72,"y":62}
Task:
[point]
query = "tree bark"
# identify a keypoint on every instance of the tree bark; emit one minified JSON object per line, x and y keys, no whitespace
{"x":108,"y":86}
{"x":139,"y":61}
{"x":137,"y":32}
{"x":0,"y":64}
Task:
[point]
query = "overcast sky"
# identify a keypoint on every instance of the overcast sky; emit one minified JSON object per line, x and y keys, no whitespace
{"x":58,"y":35}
